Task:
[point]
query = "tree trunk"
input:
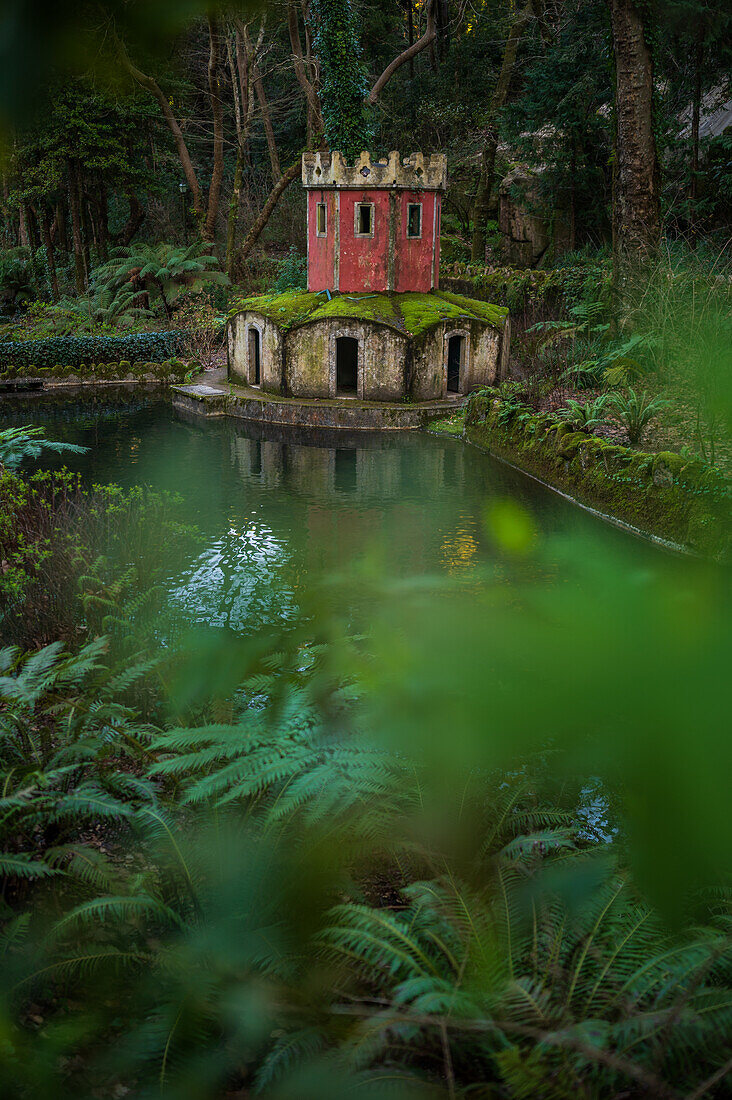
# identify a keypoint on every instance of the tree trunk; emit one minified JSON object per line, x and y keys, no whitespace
{"x":23,"y":227}
{"x":234,"y":205}
{"x":63,"y":240}
{"x":282,"y":183}
{"x":34,"y":236}
{"x":44,"y":219}
{"x":217,"y":111}
{"x":102,"y":207}
{"x":86,"y":233}
{"x":184,"y":155}
{"x":76,"y":232}
{"x":636,"y":208}
{"x":314,"y":115}
{"x":695,"y":113}
{"x":135,"y":218}
{"x":274,"y":159}
{"x":426,"y":40}
{"x":481,"y":206}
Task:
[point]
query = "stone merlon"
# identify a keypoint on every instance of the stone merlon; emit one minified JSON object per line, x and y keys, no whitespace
{"x":414,"y":173}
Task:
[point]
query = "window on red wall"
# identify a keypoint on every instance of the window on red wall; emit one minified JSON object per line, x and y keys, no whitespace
{"x":321,"y":220}
{"x":414,"y":220}
{"x":364,"y":221}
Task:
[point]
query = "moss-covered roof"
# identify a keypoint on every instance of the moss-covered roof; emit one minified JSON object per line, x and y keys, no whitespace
{"x":408,"y":313}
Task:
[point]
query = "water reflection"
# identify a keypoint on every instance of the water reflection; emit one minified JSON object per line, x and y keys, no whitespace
{"x":280,"y":509}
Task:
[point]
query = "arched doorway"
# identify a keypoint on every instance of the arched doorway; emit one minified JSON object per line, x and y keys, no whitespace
{"x":455,"y":354}
{"x":255,"y":356}
{"x":346,"y":365}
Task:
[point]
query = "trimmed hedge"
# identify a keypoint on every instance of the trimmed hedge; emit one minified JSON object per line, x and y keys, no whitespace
{"x":667,"y":495}
{"x":169,"y":370}
{"x":78,"y":351}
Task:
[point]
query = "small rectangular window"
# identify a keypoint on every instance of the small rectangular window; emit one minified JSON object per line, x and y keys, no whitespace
{"x":414,"y":219}
{"x":321,"y":220}
{"x":364,"y":219}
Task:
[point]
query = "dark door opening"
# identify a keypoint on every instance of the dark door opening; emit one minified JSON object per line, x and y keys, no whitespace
{"x":454,"y":359}
{"x":254,"y":357}
{"x":346,"y":364}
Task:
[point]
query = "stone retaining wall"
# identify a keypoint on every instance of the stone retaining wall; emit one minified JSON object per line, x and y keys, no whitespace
{"x":666,"y":495}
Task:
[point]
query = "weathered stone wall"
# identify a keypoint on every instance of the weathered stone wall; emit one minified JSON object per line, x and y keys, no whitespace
{"x":322,"y":169}
{"x":428,"y":366}
{"x":485,"y":352}
{"x":666,"y":495}
{"x":271,"y":348}
{"x":310,"y":358}
{"x":391,"y":365}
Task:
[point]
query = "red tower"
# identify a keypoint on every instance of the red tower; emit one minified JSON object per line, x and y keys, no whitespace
{"x":374,"y":226}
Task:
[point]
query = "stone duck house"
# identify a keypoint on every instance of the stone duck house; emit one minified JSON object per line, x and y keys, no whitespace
{"x":373,"y":324}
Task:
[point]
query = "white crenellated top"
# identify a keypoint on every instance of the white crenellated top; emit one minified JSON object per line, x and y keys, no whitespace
{"x":413,"y":173}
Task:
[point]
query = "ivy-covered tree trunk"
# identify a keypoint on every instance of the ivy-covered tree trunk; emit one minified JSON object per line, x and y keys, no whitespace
{"x":343,"y":84}
{"x":481,"y":205}
{"x":44,"y":219}
{"x":76,"y":236}
{"x":636,"y":202}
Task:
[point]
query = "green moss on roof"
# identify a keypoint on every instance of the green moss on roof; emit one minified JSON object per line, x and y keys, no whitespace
{"x":484,"y":311}
{"x":409,"y":313}
{"x":287,"y":310}
{"x":358,"y":307}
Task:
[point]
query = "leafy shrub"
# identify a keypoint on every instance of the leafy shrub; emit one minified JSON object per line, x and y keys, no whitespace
{"x":72,"y":555}
{"x":203,"y":328}
{"x":293,"y":272}
{"x":21,"y":273}
{"x":634,"y":411}
{"x":82,"y":351}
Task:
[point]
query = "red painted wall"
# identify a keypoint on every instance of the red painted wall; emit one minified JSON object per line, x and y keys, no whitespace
{"x":413,"y":258}
{"x":321,"y":250}
{"x":364,"y":261}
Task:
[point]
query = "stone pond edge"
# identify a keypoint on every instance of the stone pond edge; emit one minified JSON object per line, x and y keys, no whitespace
{"x":666,"y":497}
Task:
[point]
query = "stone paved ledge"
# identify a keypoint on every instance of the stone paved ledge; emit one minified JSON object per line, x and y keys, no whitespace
{"x":213,"y":396}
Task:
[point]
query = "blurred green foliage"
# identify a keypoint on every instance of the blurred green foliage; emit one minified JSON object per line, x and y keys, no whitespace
{"x":460,"y":838}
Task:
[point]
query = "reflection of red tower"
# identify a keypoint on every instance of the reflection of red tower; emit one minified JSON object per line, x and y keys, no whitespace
{"x":374,"y":226}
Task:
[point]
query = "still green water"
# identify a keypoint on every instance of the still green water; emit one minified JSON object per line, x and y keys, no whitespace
{"x":279,"y":511}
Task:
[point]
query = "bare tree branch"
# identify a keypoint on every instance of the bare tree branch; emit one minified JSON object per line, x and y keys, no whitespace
{"x":282,"y":183}
{"x":315,"y":118}
{"x":152,"y":86}
{"x":421,"y":44}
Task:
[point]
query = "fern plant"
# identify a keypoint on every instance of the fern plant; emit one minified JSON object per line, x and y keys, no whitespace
{"x":139,"y":274}
{"x":635,"y":411}
{"x":18,"y":444}
{"x":585,"y":417}
{"x":64,"y":738}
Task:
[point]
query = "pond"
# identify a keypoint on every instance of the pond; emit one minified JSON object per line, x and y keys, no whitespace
{"x":280,"y":510}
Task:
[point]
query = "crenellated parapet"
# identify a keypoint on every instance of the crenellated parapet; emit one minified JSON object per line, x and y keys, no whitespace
{"x":413,"y":173}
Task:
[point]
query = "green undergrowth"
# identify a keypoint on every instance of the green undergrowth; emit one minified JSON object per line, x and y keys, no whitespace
{"x":668,"y":495}
{"x":450,"y":425}
{"x":410,"y":312}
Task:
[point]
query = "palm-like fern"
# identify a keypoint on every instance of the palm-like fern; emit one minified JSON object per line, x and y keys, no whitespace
{"x":18,"y":444}
{"x":134,"y":275}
